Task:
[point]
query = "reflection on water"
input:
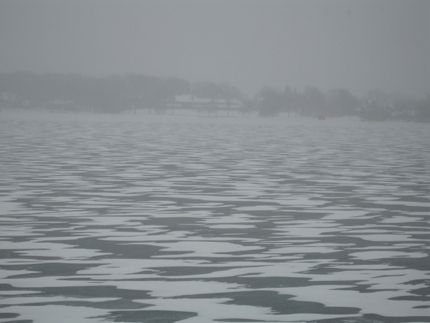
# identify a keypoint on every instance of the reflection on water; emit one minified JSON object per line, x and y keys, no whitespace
{"x":157,"y":219}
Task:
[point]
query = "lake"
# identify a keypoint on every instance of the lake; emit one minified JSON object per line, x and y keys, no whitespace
{"x":145,"y":218}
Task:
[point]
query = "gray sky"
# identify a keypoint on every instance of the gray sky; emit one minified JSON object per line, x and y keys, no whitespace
{"x":356,"y":45}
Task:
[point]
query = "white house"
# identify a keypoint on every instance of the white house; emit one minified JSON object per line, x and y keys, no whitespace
{"x":188,"y":101}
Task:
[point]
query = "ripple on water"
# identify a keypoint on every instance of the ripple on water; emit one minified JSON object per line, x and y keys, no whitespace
{"x":223,"y":220}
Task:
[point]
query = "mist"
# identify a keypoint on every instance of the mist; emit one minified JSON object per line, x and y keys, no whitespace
{"x":214,"y":161}
{"x":357,"y":45}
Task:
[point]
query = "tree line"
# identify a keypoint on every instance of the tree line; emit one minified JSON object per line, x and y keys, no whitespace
{"x":311,"y":102}
{"x":114,"y":93}
{"x":104,"y":94}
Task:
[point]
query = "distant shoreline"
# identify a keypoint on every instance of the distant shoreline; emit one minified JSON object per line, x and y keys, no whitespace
{"x":142,"y":115}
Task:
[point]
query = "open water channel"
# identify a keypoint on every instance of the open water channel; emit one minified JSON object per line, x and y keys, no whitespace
{"x":165,"y":219}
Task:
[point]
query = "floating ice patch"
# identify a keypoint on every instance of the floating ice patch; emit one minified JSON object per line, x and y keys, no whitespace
{"x":148,"y":236}
{"x":64,"y":253}
{"x":50,"y":281}
{"x":4,"y":274}
{"x":346,"y":214}
{"x":307,"y":229}
{"x":7,"y":208}
{"x":258,"y":208}
{"x":378,"y":302}
{"x":51,"y":313}
{"x":400,"y":219}
{"x":219,"y":309}
{"x":311,"y":248}
{"x":51,"y":299}
{"x":404,"y":203}
{"x":231,"y":226}
{"x":384,"y":237}
{"x":168,"y":289}
{"x":424,"y":214}
{"x":46,"y":249}
{"x":382,"y":198}
{"x":21,"y":231}
{"x":203,"y":249}
{"x":232,"y":218}
{"x":386,"y":254}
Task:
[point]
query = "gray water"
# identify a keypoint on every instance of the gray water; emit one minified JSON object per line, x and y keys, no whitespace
{"x":165,"y":219}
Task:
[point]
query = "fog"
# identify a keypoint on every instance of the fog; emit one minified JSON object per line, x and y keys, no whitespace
{"x":214,"y":161}
{"x":357,"y":45}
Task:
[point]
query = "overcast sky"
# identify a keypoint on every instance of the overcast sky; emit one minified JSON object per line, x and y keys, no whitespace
{"x":356,"y":45}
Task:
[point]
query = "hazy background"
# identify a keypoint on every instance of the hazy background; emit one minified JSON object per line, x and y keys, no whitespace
{"x":356,"y":45}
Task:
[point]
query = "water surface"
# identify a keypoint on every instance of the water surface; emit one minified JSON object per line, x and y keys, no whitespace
{"x":166,"y":218}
